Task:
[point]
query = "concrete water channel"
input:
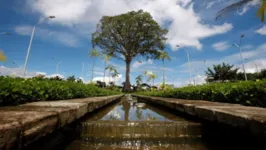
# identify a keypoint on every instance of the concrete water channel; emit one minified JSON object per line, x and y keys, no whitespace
{"x":133,"y":123}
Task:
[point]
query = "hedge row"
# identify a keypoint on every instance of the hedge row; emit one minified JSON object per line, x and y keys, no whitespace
{"x":251,"y":93}
{"x":15,"y":91}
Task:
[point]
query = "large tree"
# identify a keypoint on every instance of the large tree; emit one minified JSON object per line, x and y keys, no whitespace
{"x":133,"y":34}
{"x":240,"y":3}
{"x":221,"y":72}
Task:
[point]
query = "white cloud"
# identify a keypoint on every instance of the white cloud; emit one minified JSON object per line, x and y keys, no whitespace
{"x":63,"y":37}
{"x":248,"y":6}
{"x":221,"y":46}
{"x":117,"y":80}
{"x":253,"y":66}
{"x":258,"y":54}
{"x":262,"y":30}
{"x":56,"y":75}
{"x":171,"y":13}
{"x":18,"y":72}
{"x":138,"y":64}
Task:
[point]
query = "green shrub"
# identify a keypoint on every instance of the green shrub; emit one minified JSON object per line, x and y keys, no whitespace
{"x":251,"y":93}
{"x":15,"y":91}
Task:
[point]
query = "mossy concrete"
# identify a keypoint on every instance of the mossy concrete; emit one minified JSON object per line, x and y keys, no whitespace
{"x":251,"y":119}
{"x":24,"y":124}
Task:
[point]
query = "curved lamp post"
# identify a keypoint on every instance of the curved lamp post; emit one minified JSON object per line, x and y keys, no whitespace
{"x":190,"y":76}
{"x":31,"y":38}
{"x":57,"y":66}
{"x":240,"y":51}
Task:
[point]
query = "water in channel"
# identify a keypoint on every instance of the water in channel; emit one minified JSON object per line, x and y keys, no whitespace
{"x":132,"y":124}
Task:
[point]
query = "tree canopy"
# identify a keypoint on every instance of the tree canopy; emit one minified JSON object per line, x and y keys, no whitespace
{"x":2,"y":56}
{"x":221,"y":72}
{"x":129,"y":35}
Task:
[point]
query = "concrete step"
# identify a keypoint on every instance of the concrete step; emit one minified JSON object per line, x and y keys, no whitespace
{"x":137,"y":129}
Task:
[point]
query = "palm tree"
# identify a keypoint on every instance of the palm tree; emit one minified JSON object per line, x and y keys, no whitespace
{"x":115,"y":74}
{"x":221,"y":72}
{"x":2,"y":56}
{"x":93,"y":54}
{"x":139,"y":80}
{"x":164,"y":56}
{"x":241,"y":3}
{"x":151,"y":76}
{"x":110,"y":68}
{"x":106,"y":60}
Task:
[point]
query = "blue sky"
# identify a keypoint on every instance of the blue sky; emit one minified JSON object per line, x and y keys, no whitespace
{"x":190,"y":23}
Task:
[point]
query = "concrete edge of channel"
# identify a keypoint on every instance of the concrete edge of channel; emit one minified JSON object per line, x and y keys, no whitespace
{"x":23,"y":124}
{"x":248,"y":118}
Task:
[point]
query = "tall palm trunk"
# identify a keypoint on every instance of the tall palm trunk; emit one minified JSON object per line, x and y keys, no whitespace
{"x":163,"y":74}
{"x":104,"y":71}
{"x":109,"y":76}
{"x":92,"y":70}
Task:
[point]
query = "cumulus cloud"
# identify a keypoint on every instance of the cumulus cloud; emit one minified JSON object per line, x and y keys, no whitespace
{"x":138,"y":64}
{"x":107,"y":79}
{"x":248,"y":6}
{"x":257,"y":54}
{"x":221,"y":46}
{"x":253,"y":66}
{"x":262,"y":30}
{"x":186,"y":27}
{"x":62,"y":37}
{"x":18,"y":72}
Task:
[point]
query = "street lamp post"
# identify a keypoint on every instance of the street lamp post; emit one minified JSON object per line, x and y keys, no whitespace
{"x":82,"y":71}
{"x":57,"y":66}
{"x":190,"y":76}
{"x":240,"y":51}
{"x":31,"y":38}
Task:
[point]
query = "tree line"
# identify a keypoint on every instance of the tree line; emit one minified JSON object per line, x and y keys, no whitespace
{"x":226,"y":72}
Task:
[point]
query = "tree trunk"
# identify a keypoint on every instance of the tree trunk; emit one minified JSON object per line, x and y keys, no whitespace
{"x":127,"y":82}
{"x":163,"y":75}
{"x":109,"y":77}
{"x":104,"y":71}
{"x":153,"y":82}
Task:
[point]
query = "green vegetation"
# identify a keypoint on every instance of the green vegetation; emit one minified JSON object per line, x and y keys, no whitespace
{"x":14,"y":91}
{"x":221,"y":72}
{"x":228,"y":73}
{"x":2,"y":56}
{"x":130,"y":35}
{"x":251,"y":93}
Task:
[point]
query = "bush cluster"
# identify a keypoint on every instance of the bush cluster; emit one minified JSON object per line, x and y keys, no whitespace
{"x":14,"y":91}
{"x":251,"y":93}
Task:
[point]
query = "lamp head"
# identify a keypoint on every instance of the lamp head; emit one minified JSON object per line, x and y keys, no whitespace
{"x":51,"y":17}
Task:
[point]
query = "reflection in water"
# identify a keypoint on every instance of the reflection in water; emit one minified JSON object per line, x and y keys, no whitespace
{"x":131,"y":111}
